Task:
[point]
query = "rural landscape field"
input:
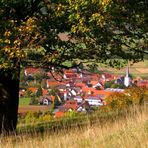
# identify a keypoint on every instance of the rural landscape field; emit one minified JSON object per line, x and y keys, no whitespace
{"x":128,"y":131}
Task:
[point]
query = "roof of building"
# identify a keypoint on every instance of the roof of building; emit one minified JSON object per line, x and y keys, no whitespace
{"x":59,"y":114}
{"x":31,"y":70}
{"x":71,"y":104}
{"x":33,"y":89}
{"x":114,"y":90}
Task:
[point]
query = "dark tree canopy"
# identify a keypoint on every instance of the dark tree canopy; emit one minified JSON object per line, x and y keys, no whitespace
{"x":98,"y":31}
{"x":51,"y":32}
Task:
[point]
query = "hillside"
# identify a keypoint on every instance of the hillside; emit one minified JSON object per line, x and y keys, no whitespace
{"x":130,"y":131}
{"x":137,"y":69}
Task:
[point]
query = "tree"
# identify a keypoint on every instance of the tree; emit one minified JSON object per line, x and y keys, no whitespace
{"x":131,"y":96}
{"x":118,"y":101}
{"x":56,"y":102}
{"x":136,"y":94}
{"x":97,"y":31}
{"x":39,"y":92}
{"x":54,"y":91}
{"x":116,"y":30}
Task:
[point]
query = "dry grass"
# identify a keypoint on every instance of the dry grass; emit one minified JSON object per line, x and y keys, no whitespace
{"x":33,"y":108}
{"x":130,"y":132}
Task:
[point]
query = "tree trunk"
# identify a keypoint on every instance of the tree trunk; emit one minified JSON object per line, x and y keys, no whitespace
{"x":9,"y":97}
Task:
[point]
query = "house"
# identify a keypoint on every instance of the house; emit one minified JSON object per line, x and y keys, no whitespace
{"x":21,"y":93}
{"x":69,"y":75}
{"x":73,"y":105}
{"x":142,"y":83}
{"x":30,"y":71}
{"x":96,"y":84}
{"x":52,"y":83}
{"x":83,"y":106}
{"x":114,"y":90}
{"x":45,"y":92}
{"x":70,"y":105}
{"x":46,"y":100}
{"x":79,"y":99}
{"x":80,"y":84}
{"x":33,"y":89}
{"x":94,"y":101}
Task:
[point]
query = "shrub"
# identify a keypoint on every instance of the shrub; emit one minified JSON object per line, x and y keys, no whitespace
{"x":117,"y":101}
{"x":33,"y":101}
{"x":71,"y":114}
{"x":108,"y":84}
{"x":136,"y":95}
{"x":46,"y":117}
{"x":131,"y":96}
{"x":30,"y":117}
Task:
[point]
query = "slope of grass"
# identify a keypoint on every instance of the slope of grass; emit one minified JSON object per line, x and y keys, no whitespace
{"x":137,"y":69}
{"x":130,"y":131}
{"x":24,"y":101}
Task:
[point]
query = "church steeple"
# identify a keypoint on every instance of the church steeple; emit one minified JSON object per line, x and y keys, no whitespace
{"x":127,"y":71}
{"x":127,"y":78}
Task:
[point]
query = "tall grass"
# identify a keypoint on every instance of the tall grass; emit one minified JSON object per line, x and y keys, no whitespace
{"x":131,"y":131}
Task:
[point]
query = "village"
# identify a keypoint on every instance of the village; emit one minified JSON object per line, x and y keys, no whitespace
{"x":73,"y":89}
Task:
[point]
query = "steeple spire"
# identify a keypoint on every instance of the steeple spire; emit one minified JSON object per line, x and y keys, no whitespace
{"x":127,"y":71}
{"x":127,"y":78}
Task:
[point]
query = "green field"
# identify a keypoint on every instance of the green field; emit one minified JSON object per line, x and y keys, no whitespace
{"x":24,"y":101}
{"x":137,"y":69}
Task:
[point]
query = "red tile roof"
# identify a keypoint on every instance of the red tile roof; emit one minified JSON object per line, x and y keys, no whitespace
{"x":71,"y":75}
{"x":45,"y":92}
{"x":33,"y":89}
{"x":53,"y":83}
{"x":71,"y":104}
{"x":59,"y":114}
{"x":32,"y":70}
{"x":80,"y":85}
{"x":52,"y":98}
{"x":94,"y":92}
{"x":94,"y":82}
{"x":101,"y":92}
{"x":68,"y":71}
{"x":143,"y":83}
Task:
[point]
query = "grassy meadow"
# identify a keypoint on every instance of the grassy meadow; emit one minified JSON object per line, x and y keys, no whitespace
{"x":128,"y":131}
{"x":137,"y":69}
{"x":24,"y":101}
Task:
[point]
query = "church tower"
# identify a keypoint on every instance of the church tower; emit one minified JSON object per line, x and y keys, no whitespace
{"x":127,"y":78}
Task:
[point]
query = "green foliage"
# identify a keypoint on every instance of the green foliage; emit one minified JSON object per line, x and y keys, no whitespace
{"x":34,"y":117}
{"x":121,"y":86}
{"x":136,"y":94}
{"x":108,"y":84}
{"x":44,"y":84}
{"x":39,"y":92}
{"x":131,"y":96}
{"x":30,"y":118}
{"x":71,"y":114}
{"x":33,"y":101}
{"x":56,"y":102}
{"x":117,"y":101}
{"x":24,"y":101}
{"x":93,"y":67}
{"x":54,"y":91}
{"x":39,"y":76}
{"x":96,"y":31}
